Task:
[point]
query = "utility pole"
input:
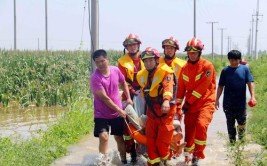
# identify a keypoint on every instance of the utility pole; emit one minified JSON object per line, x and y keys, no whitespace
{"x":249,"y":43}
{"x":229,"y":40}
{"x":15,"y":26}
{"x":38,"y":44}
{"x":212,"y":22}
{"x":252,"y":37}
{"x":95,"y":30}
{"x":195,"y":33}
{"x":256,"y":35}
{"x":46,"y":40}
{"x":222,"y":42}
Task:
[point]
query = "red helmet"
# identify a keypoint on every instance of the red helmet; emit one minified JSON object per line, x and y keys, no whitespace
{"x":150,"y":53}
{"x":194,"y":45}
{"x":170,"y":42}
{"x":131,"y":39}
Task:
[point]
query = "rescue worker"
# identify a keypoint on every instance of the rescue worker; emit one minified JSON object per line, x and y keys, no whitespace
{"x":129,"y":64}
{"x":170,"y":47}
{"x":156,"y":82}
{"x":197,"y":84}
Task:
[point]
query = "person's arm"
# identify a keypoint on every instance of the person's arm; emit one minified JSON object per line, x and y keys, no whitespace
{"x":219,"y":93}
{"x":125,"y":89}
{"x":180,"y":89}
{"x":101,"y":94}
{"x":250,"y":80}
{"x":167,"y":84}
{"x":251,"y":90}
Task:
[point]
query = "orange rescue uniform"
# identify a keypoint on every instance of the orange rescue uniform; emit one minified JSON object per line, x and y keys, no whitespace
{"x":197,"y":83}
{"x":157,"y":86}
{"x":129,"y":69}
{"x":176,"y":64}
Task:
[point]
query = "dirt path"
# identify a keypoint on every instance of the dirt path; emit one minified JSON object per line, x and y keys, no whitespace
{"x":86,"y":151}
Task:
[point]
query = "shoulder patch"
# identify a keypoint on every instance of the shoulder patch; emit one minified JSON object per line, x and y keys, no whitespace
{"x":208,"y":73}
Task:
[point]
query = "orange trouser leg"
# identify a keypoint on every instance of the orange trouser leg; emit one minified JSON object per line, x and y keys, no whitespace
{"x":164,"y":139}
{"x":190,"y":120}
{"x":151,"y":134}
{"x":159,"y":133}
{"x":203,"y":121}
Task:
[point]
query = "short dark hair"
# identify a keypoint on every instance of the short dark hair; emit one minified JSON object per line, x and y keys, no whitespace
{"x":234,"y":54}
{"x":99,"y":53}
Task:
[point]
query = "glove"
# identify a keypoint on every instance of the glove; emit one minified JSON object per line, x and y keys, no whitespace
{"x":185,"y":107}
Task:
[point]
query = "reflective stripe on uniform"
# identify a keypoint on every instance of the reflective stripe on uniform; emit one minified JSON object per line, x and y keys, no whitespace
{"x":198,"y":76}
{"x":196,"y":94}
{"x":127,"y":137}
{"x":186,"y":78}
{"x":179,"y":100}
{"x":188,"y":149}
{"x":167,"y":94}
{"x":156,"y":160}
{"x":166,"y":157}
{"x":200,"y":142}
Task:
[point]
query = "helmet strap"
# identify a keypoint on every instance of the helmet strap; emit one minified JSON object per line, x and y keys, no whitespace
{"x":151,"y":70}
{"x":168,"y":56}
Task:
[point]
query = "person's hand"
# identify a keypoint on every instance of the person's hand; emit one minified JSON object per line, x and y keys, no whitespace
{"x":129,"y":101}
{"x":122,"y":113}
{"x":179,"y":111}
{"x":185,"y":107}
{"x":132,"y":91}
{"x":217,"y":104}
{"x":165,"y":107}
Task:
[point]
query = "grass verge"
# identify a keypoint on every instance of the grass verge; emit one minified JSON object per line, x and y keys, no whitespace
{"x":53,"y":143}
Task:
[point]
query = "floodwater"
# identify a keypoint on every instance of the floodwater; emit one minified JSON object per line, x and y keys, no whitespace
{"x":18,"y":123}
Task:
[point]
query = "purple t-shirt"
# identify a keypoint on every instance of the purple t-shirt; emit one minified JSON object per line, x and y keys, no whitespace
{"x":111,"y":85}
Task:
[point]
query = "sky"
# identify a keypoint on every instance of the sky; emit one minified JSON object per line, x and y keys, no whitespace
{"x":152,"y":20}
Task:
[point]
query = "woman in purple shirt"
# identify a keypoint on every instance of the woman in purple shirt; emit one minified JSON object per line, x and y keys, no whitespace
{"x":108,"y":112}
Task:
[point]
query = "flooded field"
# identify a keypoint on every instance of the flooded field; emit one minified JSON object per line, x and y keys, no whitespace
{"x":19,"y":123}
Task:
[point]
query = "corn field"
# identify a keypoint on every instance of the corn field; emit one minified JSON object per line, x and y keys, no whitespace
{"x":42,"y":78}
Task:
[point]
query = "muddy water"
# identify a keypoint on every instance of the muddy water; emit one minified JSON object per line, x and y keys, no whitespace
{"x":18,"y":123}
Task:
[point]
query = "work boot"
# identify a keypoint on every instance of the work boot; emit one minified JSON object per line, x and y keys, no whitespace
{"x":134,"y":160}
{"x":232,"y":139}
{"x":124,"y":161}
{"x":195,"y":161}
{"x":241,"y":134}
{"x":168,"y":163}
{"x":133,"y":155}
{"x":187,"y":159}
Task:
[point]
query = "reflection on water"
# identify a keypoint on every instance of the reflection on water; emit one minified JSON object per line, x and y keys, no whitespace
{"x":25,"y":123}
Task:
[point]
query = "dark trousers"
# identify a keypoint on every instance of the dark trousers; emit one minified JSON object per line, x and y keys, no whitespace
{"x":232,"y":116}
